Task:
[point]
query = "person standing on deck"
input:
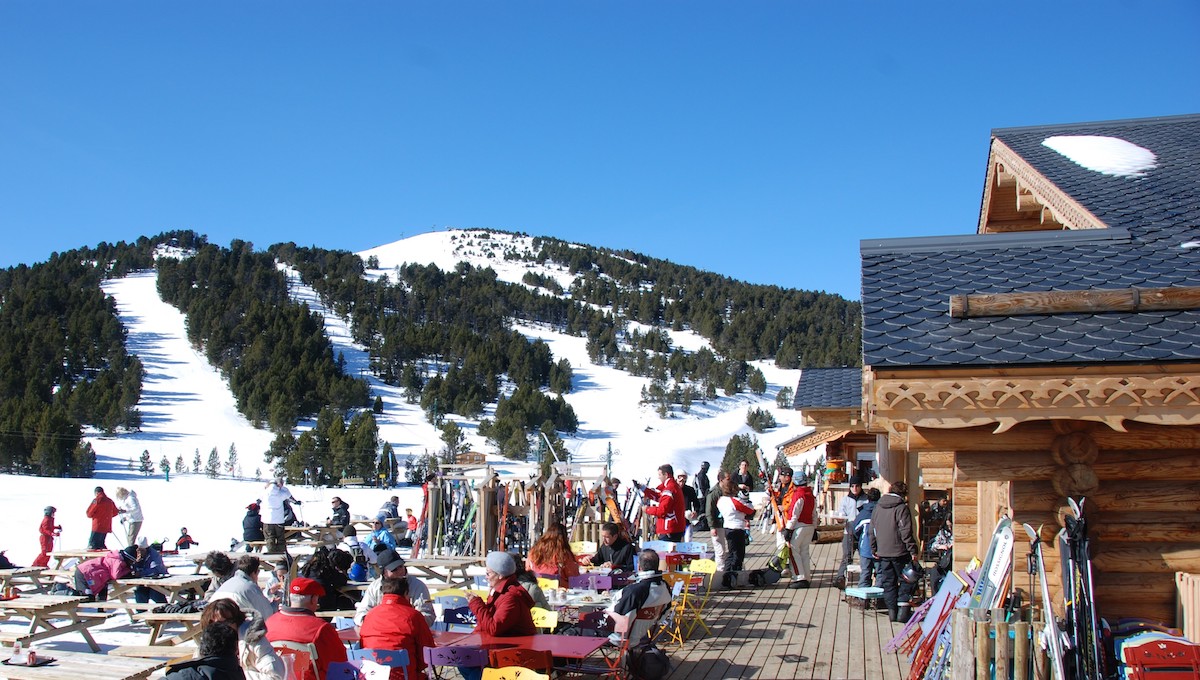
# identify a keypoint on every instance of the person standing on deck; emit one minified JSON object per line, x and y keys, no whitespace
{"x":798,"y":506}
{"x":894,"y":548}
{"x":743,"y":481}
{"x":667,"y":505}
{"x":716,"y":523}
{"x":848,"y":510}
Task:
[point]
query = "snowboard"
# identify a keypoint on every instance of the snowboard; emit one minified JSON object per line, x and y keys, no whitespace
{"x":747,"y":578}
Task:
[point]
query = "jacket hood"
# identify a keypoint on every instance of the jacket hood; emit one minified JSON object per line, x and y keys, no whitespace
{"x":890,"y":500}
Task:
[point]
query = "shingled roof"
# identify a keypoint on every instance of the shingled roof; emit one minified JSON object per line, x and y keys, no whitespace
{"x":829,"y":388}
{"x":1151,"y":239}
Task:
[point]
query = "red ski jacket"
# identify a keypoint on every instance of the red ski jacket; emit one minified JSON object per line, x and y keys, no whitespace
{"x":670,"y":508}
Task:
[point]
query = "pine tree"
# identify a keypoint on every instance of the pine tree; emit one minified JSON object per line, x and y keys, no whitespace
{"x":179,"y":468}
{"x":196,"y":463}
{"x":231,"y":465}
{"x":213,"y":467}
{"x":783,"y":399}
{"x":147,"y":466}
{"x":165,"y":466}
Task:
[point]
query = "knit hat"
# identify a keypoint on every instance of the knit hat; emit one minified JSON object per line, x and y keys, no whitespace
{"x":502,"y":563}
{"x":143,"y":542}
{"x":129,"y":554}
{"x":49,"y":510}
{"x":306,"y":586}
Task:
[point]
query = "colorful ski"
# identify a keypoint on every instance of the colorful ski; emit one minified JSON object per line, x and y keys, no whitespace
{"x":996,"y":570}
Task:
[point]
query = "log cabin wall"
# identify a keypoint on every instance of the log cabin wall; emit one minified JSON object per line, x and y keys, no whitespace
{"x":1143,"y":505}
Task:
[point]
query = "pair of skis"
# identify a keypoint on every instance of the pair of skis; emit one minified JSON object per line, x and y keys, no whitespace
{"x":1081,"y":655}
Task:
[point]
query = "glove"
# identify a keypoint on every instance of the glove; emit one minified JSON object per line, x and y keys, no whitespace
{"x":787,"y":535}
{"x":297,"y":502}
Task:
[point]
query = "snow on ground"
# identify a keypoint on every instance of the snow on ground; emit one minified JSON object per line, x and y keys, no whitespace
{"x":186,"y":406}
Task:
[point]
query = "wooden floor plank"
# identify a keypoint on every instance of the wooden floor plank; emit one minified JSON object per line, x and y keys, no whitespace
{"x":779,"y":632}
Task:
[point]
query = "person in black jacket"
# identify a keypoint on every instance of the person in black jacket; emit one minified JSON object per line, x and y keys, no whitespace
{"x":341,"y":515}
{"x":218,"y":660}
{"x":252,"y":526}
{"x":615,"y":552}
{"x":743,"y":481}
{"x":894,"y":548}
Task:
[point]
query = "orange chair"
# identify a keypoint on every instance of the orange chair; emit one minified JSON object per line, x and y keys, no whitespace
{"x":535,"y":659}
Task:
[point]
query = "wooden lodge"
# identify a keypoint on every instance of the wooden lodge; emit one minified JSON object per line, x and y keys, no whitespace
{"x":1056,"y":352}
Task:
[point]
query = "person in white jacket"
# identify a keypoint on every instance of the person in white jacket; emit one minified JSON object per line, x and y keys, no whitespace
{"x":273,"y":513}
{"x":255,"y":654}
{"x":130,"y":512}
{"x":242,"y":588}
{"x":391,"y":565}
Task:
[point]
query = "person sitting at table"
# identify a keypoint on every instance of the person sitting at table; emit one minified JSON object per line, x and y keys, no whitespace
{"x":380,"y":536}
{"x":242,"y":588}
{"x":529,"y":581}
{"x":615,"y":552}
{"x":220,"y":568}
{"x":395,"y":624}
{"x":551,"y":556}
{"x":506,"y":611}
{"x":92,"y":577}
{"x":390,"y":509}
{"x":323,"y":568}
{"x":341,"y":515}
{"x":47,"y":530}
{"x":252,"y":526}
{"x":256,"y":655}
{"x":148,"y":563}
{"x":218,"y":650}
{"x":647,"y":591}
{"x":391,"y":565}
{"x":300,"y":623}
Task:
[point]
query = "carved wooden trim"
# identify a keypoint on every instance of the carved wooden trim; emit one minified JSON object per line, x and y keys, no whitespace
{"x":1064,"y":209}
{"x":897,"y":403}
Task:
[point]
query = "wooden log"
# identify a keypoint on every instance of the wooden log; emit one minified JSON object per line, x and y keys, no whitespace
{"x":1112,"y":496}
{"x":1105,"y":527}
{"x":1170,"y":464}
{"x":935,"y":459}
{"x":1075,"y":301}
{"x":982,"y":655}
{"x":1037,"y":436}
{"x":1153,"y":558}
{"x":1002,"y":649}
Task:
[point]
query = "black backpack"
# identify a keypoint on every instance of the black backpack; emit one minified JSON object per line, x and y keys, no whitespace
{"x":645,"y":661}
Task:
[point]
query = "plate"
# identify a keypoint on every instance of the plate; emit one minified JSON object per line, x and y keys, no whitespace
{"x":41,"y":661}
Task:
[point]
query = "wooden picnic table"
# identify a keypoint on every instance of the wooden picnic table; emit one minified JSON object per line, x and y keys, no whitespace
{"x":173,"y":586}
{"x":75,"y":665}
{"x":159,"y":620}
{"x":455,"y":569}
{"x":54,"y":615}
{"x":23,"y":577}
{"x":60,"y":556}
{"x":321,"y":535}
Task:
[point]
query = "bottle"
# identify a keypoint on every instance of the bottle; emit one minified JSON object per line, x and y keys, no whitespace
{"x":19,"y":655}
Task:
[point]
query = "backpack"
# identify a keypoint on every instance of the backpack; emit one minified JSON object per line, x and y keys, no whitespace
{"x":645,"y":661}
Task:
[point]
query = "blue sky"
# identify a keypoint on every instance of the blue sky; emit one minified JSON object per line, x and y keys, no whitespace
{"x":761,"y":140}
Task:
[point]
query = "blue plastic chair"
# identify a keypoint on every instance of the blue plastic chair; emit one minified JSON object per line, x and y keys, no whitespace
{"x":392,"y":658}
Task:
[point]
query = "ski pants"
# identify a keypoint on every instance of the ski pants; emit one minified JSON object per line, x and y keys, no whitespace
{"x":96,"y":541}
{"x":274,"y":536}
{"x":799,"y":545}
{"x":736,"y":540}
{"x":847,"y":552}
{"x":719,"y":549}
{"x":132,"y":529}
{"x":868,"y":572}
{"x":896,"y":592}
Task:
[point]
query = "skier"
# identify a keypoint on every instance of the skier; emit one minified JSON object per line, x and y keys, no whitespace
{"x":46,"y":533}
{"x":894,"y":548}
{"x":101,"y":510}
{"x":798,"y":506}
{"x":669,"y":507}
{"x":130,"y":510}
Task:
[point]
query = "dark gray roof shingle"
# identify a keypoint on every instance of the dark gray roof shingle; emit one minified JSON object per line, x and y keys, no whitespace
{"x":829,"y":388}
{"x":907,"y":282}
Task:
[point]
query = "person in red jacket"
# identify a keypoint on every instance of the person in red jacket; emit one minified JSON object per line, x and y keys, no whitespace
{"x":299,"y":623}
{"x":396,"y":624}
{"x":669,"y":507}
{"x":46,"y":533}
{"x":101,"y":510}
{"x":797,"y":505}
{"x":506,"y":612}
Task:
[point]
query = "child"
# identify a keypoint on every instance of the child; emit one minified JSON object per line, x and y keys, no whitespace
{"x":46,"y":533}
{"x":274,"y":589}
{"x":185,"y":541}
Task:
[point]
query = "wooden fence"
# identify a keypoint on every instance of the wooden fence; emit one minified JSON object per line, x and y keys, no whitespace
{"x":981,"y":646}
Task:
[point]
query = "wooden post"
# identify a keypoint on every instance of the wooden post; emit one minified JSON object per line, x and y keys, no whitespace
{"x":1002,"y":645}
{"x":962,"y":666}
{"x":983,"y":670}
{"x":1041,"y":667}
{"x":1021,"y":651}
{"x":485,"y":520}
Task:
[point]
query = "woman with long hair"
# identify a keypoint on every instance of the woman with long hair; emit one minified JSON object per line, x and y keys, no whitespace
{"x":551,"y":556}
{"x":736,"y":514}
{"x":258,"y":659}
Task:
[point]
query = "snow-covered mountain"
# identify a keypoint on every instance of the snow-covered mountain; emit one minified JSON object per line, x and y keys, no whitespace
{"x":187,"y":406}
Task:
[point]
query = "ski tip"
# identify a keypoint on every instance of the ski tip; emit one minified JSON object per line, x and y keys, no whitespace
{"x":1029,"y":530}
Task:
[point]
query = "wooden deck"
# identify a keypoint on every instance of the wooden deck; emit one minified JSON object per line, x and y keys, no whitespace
{"x":778,"y":632}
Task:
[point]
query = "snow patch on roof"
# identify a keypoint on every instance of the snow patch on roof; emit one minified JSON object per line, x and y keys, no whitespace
{"x":1106,"y":155}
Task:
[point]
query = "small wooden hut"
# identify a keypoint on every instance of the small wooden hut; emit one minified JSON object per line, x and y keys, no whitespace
{"x":1056,"y":351}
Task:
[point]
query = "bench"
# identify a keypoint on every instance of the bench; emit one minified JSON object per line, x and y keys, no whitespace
{"x":85,"y":621}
